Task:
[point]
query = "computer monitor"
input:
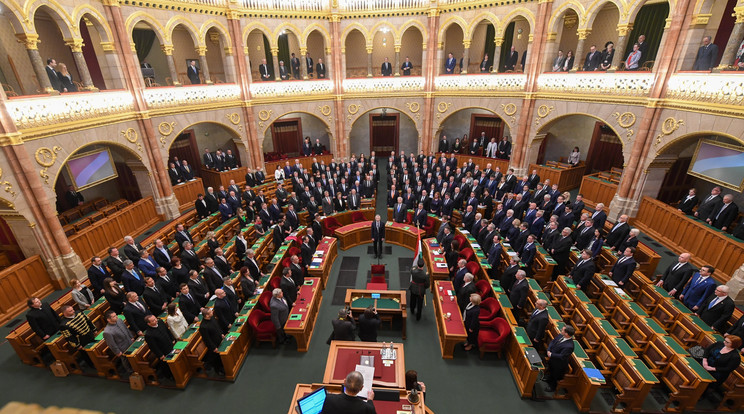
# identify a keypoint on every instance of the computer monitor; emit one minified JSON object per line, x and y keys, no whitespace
{"x":312,"y":403}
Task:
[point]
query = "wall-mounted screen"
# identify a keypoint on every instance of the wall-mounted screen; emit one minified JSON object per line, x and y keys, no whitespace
{"x":91,"y":168}
{"x":720,"y":163}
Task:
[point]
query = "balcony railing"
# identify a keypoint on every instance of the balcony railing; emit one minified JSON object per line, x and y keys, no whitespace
{"x":47,"y":110}
{"x":384,"y":84}
{"x":502,"y":82}
{"x":622,"y":84}
{"x":287,"y":5}
{"x":375,"y":5}
{"x":718,"y":88}
{"x":167,"y":97}
{"x":286,"y":88}
{"x":213,"y":3}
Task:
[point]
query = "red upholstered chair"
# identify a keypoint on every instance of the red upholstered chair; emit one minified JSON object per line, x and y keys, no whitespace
{"x":460,"y":239}
{"x":473,"y":268}
{"x":490,"y":308}
{"x":264,"y":301}
{"x":493,"y":335}
{"x":330,"y":225}
{"x":467,"y":253}
{"x":287,"y":262}
{"x":275,"y":281}
{"x":357,"y":216}
{"x":378,"y":278}
{"x":262,"y":326}
{"x":429,"y":226}
{"x":484,"y":289}
{"x":409,"y":217}
{"x":294,"y":251}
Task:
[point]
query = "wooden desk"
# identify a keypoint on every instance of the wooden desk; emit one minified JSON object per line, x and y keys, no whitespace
{"x":682,"y":233}
{"x":451,"y":330}
{"x":360,"y":233}
{"x":641,"y":331}
{"x":142,"y":360}
{"x":215,"y":179}
{"x":301,"y":322}
{"x":343,"y":357}
{"x":624,"y":315}
{"x":391,"y":304}
{"x":646,"y":258}
{"x":381,"y":407}
{"x":567,"y":178}
{"x":325,"y":255}
{"x":525,"y":374}
{"x":186,"y":193}
{"x":634,"y":381}
{"x":433,"y":259}
{"x":687,"y":380}
{"x":733,"y":396}
{"x":235,"y":345}
{"x":597,"y":190}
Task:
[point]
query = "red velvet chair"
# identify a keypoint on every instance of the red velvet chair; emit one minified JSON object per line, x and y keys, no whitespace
{"x":429,"y":226}
{"x":490,"y":308}
{"x":467,"y":253}
{"x":294,"y":251}
{"x":264,"y":301}
{"x":275,"y":281}
{"x":262,"y":327}
{"x":330,"y":224}
{"x":484,"y":289}
{"x":377,"y":282}
{"x":493,"y":335}
{"x":460,"y":239}
{"x":357,"y":216}
{"x":287,"y":262}
{"x":409,"y":217}
{"x":473,"y":268}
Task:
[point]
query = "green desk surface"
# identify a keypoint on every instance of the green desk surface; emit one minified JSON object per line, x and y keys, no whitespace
{"x":716,"y":337}
{"x":637,"y":309}
{"x":496,"y":286}
{"x":660,"y":290}
{"x":699,"y":322}
{"x":99,"y":302}
{"x":534,"y":285}
{"x":362,"y":302}
{"x":582,"y":296}
{"x":387,"y":303}
{"x":681,"y":307}
{"x":538,"y":365}
{"x":674,"y":345}
{"x":608,"y":328}
{"x":135,"y":345}
{"x":542,"y":295}
{"x":52,"y":338}
{"x":505,"y":302}
{"x":655,"y":326}
{"x":579,"y":351}
{"x":699,"y":370}
{"x":521,"y":336}
{"x":553,"y":314}
{"x":594,"y":311}
{"x":624,"y":347}
{"x":187,"y":334}
{"x":642,"y":369}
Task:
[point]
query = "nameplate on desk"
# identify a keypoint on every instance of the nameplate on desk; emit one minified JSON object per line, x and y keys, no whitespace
{"x":375,"y":296}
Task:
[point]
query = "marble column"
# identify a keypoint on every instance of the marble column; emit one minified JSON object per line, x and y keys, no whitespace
{"x":424,"y":60}
{"x":579,"y":56}
{"x":229,"y":62}
{"x":168,"y":50}
{"x":396,"y":72}
{"x":275,"y":58}
{"x":76,"y":46}
{"x":328,"y":62}
{"x":369,"y":62}
{"x":551,"y":51}
{"x":439,"y":60}
{"x":248,"y":70}
{"x":465,"y":57}
{"x":30,"y":41}
{"x":202,"y":51}
{"x":303,"y":63}
{"x":114,"y":77}
{"x":498,"y":42}
{"x":737,"y":34}
{"x":623,"y":30}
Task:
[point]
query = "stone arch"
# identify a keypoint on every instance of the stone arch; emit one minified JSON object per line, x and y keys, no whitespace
{"x":350,"y":28}
{"x":377,"y":27}
{"x":413,"y":23}
{"x":260,"y":27}
{"x":312,"y":28}
{"x":289,"y":27}
{"x":191,"y":29}
{"x":450,"y":21}
{"x":516,"y":13}
{"x":636,"y":7}
{"x":155,"y":26}
{"x":596,"y":7}
{"x":695,"y":134}
{"x":95,"y":17}
{"x":550,"y":122}
{"x":487,"y":16}
{"x":15,"y":14}
{"x":364,"y":115}
{"x":265,"y":132}
{"x":57,"y":13}
{"x":214,"y":24}
{"x":235,"y":134}
{"x":555,"y":18}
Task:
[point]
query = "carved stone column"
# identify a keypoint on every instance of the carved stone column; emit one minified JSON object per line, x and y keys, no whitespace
{"x":623,"y":30}
{"x":248,"y":73}
{"x":583,"y":34}
{"x":498,"y":42}
{"x":168,"y":50}
{"x":424,"y":59}
{"x":465,"y":57}
{"x":439,"y":59}
{"x":76,"y":46}
{"x":397,"y":60}
{"x":303,"y":63}
{"x":116,"y":79}
{"x":736,"y":286}
{"x":229,"y":63}
{"x":737,"y":34}
{"x":369,"y":62}
{"x":202,"y":51}
{"x":30,"y":41}
{"x":275,"y":58}
{"x":328,"y":62}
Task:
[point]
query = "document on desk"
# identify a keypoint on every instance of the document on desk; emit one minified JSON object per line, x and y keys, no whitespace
{"x":368,"y":373}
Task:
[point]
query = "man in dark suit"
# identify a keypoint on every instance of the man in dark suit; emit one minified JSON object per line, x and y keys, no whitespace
{"x":135,"y":312}
{"x":96,"y":273}
{"x":283,"y":72}
{"x":288,"y":286}
{"x":175,"y":174}
{"x":309,"y":65}
{"x":279,"y":313}
{"x":378,"y":236}
{"x":527,"y":252}
{"x":189,"y":257}
{"x":320,"y":68}
{"x":162,"y":255}
{"x":198,"y":288}
{"x":181,"y":235}
{"x":623,"y":268}
{"x":591,"y":63}
{"x":722,"y":217}
{"x":225,"y":310}
{"x":677,"y":275}
{"x":400,"y":212}
{"x":406,"y":68}
{"x":298,"y":272}
{"x":538,"y":321}
{"x":295,"y":62}
{"x":467,"y":289}
{"x":518,"y":294}
{"x":511,"y":59}
{"x":54,"y":79}
{"x":688,"y":202}
{"x":559,"y":353}
{"x":619,"y":233}
{"x":701,"y":286}
{"x":73,"y":197}
{"x":449,"y":65}
{"x":717,"y":309}
{"x":44,"y":321}
{"x":386,"y":69}
{"x":160,"y":342}
{"x":193,"y":73}
{"x":265,"y":71}
{"x":584,"y":234}
{"x":132,"y":278}
{"x":582,"y":273}
{"x":155,"y":298}
{"x":115,"y":263}
{"x":212,"y":336}
{"x":131,"y":249}
{"x":343,"y":326}
{"x":348,"y":402}
{"x":188,"y":303}
{"x":560,"y":249}
{"x":510,"y":274}
{"x":418,"y":286}
{"x":599,"y":216}
{"x":707,"y":55}
{"x":212,"y":275}
{"x":709,"y":204}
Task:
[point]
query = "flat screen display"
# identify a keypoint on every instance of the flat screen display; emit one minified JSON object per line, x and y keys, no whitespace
{"x":720,"y":163}
{"x":91,"y":168}
{"x":312,"y":403}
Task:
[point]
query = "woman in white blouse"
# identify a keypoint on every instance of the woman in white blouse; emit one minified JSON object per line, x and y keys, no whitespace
{"x":176,"y":322}
{"x":278,"y":173}
{"x":574,"y":157}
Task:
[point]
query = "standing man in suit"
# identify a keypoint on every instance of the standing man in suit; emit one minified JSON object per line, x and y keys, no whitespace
{"x":700,"y":288}
{"x":162,"y":255}
{"x":155,"y":298}
{"x":96,"y":273}
{"x":147,"y":264}
{"x":503,"y":150}
{"x":118,"y":338}
{"x":212,"y":337}
{"x":484,"y":64}
{"x":309,"y":66}
{"x":582,"y":273}
{"x":677,"y":275}
{"x":288,"y":286}
{"x":643,"y":48}
{"x":321,"y":69}
{"x":400,"y":212}
{"x":418,"y":286}
{"x":406,"y":67}
{"x":279,"y":314}
{"x":599,"y":216}
{"x":160,"y":341}
{"x":591,"y":63}
{"x":560,"y":249}
{"x":44,"y":321}
{"x":283,"y":73}
{"x":709,"y":204}
{"x":721,"y":218}
{"x":559,"y":352}
{"x":378,"y":236}
{"x":193,"y":73}
{"x":623,"y":268}
{"x":132,"y":278}
{"x":538,"y":321}
{"x":343,"y":326}
{"x":73,"y":197}
{"x":53,"y":76}
{"x":511,"y":60}
{"x":264,"y":71}
{"x":135,"y":312}
{"x":295,"y":62}
{"x":386,"y":69}
{"x":132,"y":249}
{"x":619,"y":233}
{"x":518,"y":294}
{"x":707,"y":55}
{"x":717,"y":309}
{"x":689,"y":202}
{"x":449,"y":65}
{"x":115,"y":263}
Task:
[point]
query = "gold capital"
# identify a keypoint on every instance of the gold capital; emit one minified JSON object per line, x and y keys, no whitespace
{"x":167,"y":49}
{"x":739,"y":14}
{"x":76,"y":45}
{"x":397,"y":48}
{"x":624,"y":29}
{"x":551,"y":36}
{"x":108,"y":47}
{"x":228,"y":50}
{"x":498,"y":41}
{"x":30,"y":41}
{"x":201,"y":50}
{"x":303,"y":51}
{"x":369,"y":50}
{"x":466,"y":44}
{"x":274,"y":51}
{"x":701,"y":19}
{"x":584,"y":33}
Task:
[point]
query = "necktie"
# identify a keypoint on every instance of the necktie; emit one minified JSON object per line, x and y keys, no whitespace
{"x":139,"y":306}
{"x":99,"y":269}
{"x":713,"y":303}
{"x":721,"y":211}
{"x":677,"y":266}
{"x":622,"y":259}
{"x":535,"y":312}
{"x":580,"y":263}
{"x":134,"y":273}
{"x":188,"y":295}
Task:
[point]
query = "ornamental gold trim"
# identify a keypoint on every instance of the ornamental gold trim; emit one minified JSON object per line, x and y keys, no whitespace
{"x":265,"y":114}
{"x":166,"y":128}
{"x":413,"y":106}
{"x":667,"y":128}
{"x":234,"y":118}
{"x":8,"y":186}
{"x":509,"y":109}
{"x":626,"y":120}
{"x":542,"y":112}
{"x":130,"y":134}
{"x":325,"y":110}
{"x":442,"y":107}
{"x":46,"y":157}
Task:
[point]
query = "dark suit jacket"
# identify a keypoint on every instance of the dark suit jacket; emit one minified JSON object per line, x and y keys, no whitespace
{"x":518,"y":295}
{"x":697,"y":291}
{"x":54,"y":79}
{"x":96,"y":278}
{"x":378,"y":234}
{"x":193,"y":73}
{"x":708,"y":207}
{"x":159,"y":339}
{"x":561,"y":351}
{"x":343,"y":329}
{"x":687,"y":205}
{"x":210,"y":333}
{"x":192,"y":262}
{"x":725,"y":217}
{"x":132,"y":284}
{"x":599,"y":220}
{"x":131,"y":253}
{"x":677,"y":279}
{"x":198,"y":290}
{"x":136,"y":317}
{"x":344,"y":404}
{"x":155,"y":300}
{"x":289,"y":288}
{"x":463,"y":296}
{"x":527,"y":255}
{"x":160,"y":257}
{"x":224,"y":311}
{"x":536,"y":326}
{"x":621,"y":271}
{"x":717,"y":316}
{"x":617,"y":236}
{"x":189,"y":308}
{"x":582,"y":275}
{"x":592,"y":62}
{"x":43,"y":321}
{"x":737,"y":328}
{"x":706,"y":58}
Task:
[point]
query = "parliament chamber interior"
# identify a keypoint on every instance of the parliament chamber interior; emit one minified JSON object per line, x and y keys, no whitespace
{"x":527,"y":205}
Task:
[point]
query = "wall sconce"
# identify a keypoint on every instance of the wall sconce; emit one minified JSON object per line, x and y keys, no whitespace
{"x":519,"y":33}
{"x":384,"y":31}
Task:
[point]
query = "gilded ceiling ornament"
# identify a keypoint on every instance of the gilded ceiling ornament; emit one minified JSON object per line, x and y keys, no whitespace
{"x":542,"y":112}
{"x":166,"y":128}
{"x":667,"y":128}
{"x":626,"y":120}
{"x":8,"y":186}
{"x":442,"y":107}
{"x":325,"y":110}
{"x":234,"y":118}
{"x":413,"y":106}
{"x":46,"y":157}
{"x":509,"y":109}
{"x":130,"y":134}
{"x":354,"y":108}
{"x":265,"y":114}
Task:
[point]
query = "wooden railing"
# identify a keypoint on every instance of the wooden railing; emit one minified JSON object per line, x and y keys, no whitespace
{"x":132,"y":220}
{"x":596,"y":190}
{"x":216,"y":178}
{"x":567,"y":178}
{"x":21,"y":281}
{"x":306,"y":162}
{"x":481,"y":162}
{"x":186,"y":193}
{"x":680,"y":233}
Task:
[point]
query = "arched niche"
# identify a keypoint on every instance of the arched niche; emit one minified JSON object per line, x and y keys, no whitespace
{"x":453,"y":44}
{"x":259,"y":52}
{"x":98,"y":50}
{"x":407,"y":133}
{"x":149,"y":51}
{"x":184,"y":51}
{"x":20,"y":78}
{"x":316,"y":48}
{"x":568,"y":37}
{"x":466,"y":122}
{"x":18,"y":239}
{"x":383,"y":46}
{"x":288,"y":43}
{"x":288,"y":131}
{"x":482,"y":46}
{"x":604,"y":27}
{"x":516,"y":34}
{"x":191,"y":141}
{"x":219,"y":70}
{"x":411,"y":46}
{"x":356,"y":54}
{"x":52,"y":44}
